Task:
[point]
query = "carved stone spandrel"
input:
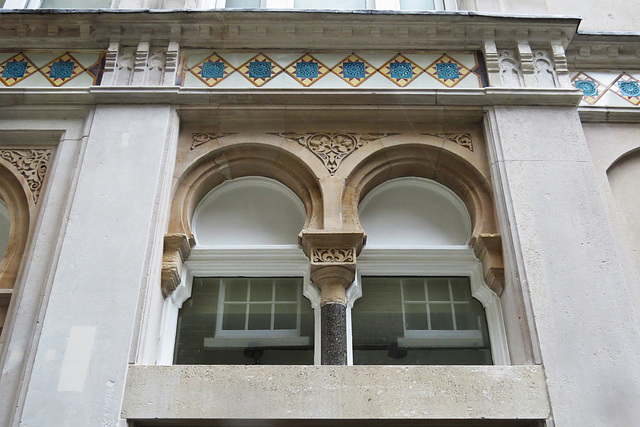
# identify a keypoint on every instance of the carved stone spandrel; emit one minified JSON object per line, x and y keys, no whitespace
{"x":32,"y":165}
{"x":462,"y":139}
{"x":198,"y":139}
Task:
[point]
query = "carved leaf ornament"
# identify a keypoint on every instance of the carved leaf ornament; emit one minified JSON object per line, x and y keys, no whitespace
{"x":202,"y":138}
{"x":462,"y":139}
{"x":333,"y":255}
{"x":31,"y":164}
{"x":332,"y":148}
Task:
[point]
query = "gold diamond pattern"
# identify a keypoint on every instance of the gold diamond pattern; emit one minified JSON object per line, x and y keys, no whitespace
{"x":7,"y":78}
{"x":309,"y":76}
{"x":442,"y":72}
{"x":615,"y":87}
{"x":260,"y":69}
{"x":202,"y":71}
{"x":51,"y":72}
{"x":355,"y":74}
{"x":400,"y":70}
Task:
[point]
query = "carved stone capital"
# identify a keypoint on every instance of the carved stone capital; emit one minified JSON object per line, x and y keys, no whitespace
{"x":177,"y":249}
{"x":488,"y":249}
{"x":333,"y":280}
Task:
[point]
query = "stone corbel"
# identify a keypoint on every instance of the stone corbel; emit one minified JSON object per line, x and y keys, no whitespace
{"x":526,"y":63}
{"x":493,"y":67}
{"x":111,"y":63}
{"x":333,"y":260}
{"x":171,"y":64}
{"x":141,"y":61}
{"x":177,"y":249}
{"x":560,"y":62}
{"x":488,"y":249}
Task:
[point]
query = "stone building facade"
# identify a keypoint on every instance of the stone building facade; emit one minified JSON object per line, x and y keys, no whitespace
{"x":270,"y":213}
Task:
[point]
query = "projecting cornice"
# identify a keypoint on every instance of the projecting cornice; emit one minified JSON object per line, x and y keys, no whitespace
{"x":604,"y":51}
{"x":231,"y":29}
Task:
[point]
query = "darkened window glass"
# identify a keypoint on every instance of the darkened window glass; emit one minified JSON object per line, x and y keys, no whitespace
{"x":419,"y":321}
{"x":245,"y":321}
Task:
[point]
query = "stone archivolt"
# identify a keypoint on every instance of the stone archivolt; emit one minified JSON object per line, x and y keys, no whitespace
{"x":32,"y":165}
{"x":332,"y":148}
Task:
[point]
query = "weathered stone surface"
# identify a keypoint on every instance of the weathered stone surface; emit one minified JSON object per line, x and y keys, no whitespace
{"x":334,"y":334}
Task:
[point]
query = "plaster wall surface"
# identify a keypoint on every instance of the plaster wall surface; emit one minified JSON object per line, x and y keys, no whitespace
{"x":80,"y":365}
{"x":429,"y":392}
{"x":616,"y":160}
{"x":568,"y":262}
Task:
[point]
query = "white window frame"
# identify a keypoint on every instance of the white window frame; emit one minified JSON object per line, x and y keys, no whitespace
{"x":235,"y":261}
{"x":426,"y":262}
{"x":448,"y":5}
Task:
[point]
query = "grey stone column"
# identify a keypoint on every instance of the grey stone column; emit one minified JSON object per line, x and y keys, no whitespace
{"x":332,"y":281}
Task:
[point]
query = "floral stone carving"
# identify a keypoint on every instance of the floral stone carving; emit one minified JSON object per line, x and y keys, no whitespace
{"x":463,"y":139}
{"x":332,"y":255}
{"x":32,"y":165}
{"x":332,"y":148}
{"x":203,"y":138}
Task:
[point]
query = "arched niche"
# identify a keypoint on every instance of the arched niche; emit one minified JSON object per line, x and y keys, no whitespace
{"x":243,"y":160}
{"x":248,"y":211}
{"x":422,"y":161}
{"x":414,"y":212}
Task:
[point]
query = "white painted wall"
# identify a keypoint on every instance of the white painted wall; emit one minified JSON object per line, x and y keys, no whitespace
{"x":567,"y":261}
{"x":103,"y":269}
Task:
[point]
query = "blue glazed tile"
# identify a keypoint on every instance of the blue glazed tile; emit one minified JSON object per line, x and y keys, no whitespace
{"x":353,"y":70}
{"x":629,"y":88}
{"x":401,"y":70}
{"x":307,"y":70}
{"x":212,"y":70}
{"x":15,"y":70}
{"x":260,"y":70}
{"x":61,"y":70}
{"x":587,"y":87}
{"x":447,"y":70}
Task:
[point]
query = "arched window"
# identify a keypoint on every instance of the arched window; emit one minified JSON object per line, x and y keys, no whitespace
{"x":419,"y":297}
{"x":246,"y":297}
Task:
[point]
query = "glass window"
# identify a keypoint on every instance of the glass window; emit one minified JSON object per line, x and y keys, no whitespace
{"x":330,"y":4}
{"x":417,"y":5}
{"x":240,"y":320}
{"x":75,"y":4}
{"x":419,"y":321}
{"x":242,"y":4}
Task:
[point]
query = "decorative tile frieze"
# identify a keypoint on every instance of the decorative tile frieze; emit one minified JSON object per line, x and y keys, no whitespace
{"x":332,"y":148}
{"x":62,"y":69}
{"x":628,"y":88}
{"x":400,"y":70}
{"x":307,"y":70}
{"x":354,"y":70}
{"x":16,"y":69}
{"x":259,"y":70}
{"x":462,"y":139}
{"x":199,"y":139}
{"x":447,"y":71}
{"x":32,"y":164}
{"x":212,"y":70}
{"x":592,"y":90}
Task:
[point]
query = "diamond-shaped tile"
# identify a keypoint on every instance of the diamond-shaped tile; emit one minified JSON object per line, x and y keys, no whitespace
{"x":353,"y":70}
{"x":307,"y":70}
{"x":62,"y":69}
{"x":260,"y":69}
{"x":400,"y":70}
{"x":96,"y":70}
{"x":447,"y":71}
{"x":592,"y":90}
{"x":212,"y":70}
{"x":627,"y":87}
{"x":16,"y":69}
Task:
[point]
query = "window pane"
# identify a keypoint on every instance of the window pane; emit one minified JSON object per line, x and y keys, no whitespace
{"x":389,"y":329}
{"x":413,"y":290}
{"x":417,"y":5}
{"x":250,"y":332}
{"x":330,"y":4}
{"x":75,"y":4}
{"x":261,"y":290}
{"x":460,"y":289}
{"x":234,"y":317}
{"x":259,"y":316}
{"x":242,"y":4}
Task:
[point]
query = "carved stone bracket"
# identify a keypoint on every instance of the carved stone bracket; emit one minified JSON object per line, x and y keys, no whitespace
{"x":332,"y":148}
{"x":177,"y":249}
{"x":199,"y":139}
{"x":462,"y":139}
{"x":32,"y":164}
{"x":488,"y":249}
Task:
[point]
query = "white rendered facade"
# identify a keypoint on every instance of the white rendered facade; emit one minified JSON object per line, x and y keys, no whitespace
{"x":518,"y":120}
